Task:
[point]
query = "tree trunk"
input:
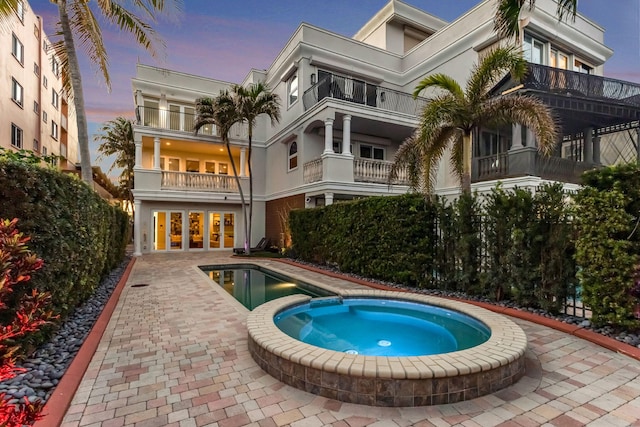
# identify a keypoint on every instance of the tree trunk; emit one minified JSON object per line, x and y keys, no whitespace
{"x":78,"y":95}
{"x":466,"y":162}
{"x":248,"y":248}
{"x":235,"y":175}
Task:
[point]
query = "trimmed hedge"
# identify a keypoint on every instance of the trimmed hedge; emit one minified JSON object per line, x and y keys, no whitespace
{"x":79,"y":235}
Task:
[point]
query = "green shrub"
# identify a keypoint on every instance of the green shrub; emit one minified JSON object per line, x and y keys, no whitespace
{"x":78,"y":234}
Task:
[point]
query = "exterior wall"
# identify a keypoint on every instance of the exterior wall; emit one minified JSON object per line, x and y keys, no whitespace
{"x":31,"y":74}
{"x":275,"y":209}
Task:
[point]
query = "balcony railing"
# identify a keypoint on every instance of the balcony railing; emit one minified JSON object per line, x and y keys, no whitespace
{"x":364,"y":170}
{"x":182,"y":122}
{"x":198,"y":182}
{"x":360,"y":92}
{"x":550,"y":79}
{"x":528,"y":163}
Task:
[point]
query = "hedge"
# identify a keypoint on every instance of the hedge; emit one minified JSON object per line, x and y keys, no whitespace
{"x":79,"y":235}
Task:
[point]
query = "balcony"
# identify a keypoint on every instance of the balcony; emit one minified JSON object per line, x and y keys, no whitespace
{"x":364,"y":170}
{"x":182,"y":121}
{"x":527,"y":162}
{"x":192,"y":181}
{"x":360,"y":92}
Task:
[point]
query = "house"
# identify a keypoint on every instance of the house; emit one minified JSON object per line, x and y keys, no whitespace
{"x":347,"y":105}
{"x":36,"y":115}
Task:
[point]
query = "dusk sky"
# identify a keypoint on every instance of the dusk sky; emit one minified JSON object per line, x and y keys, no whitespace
{"x":225,"y":39}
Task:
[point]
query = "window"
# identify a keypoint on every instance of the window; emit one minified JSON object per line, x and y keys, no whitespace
{"x":558,"y":59}
{"x":292,"y":89}
{"x":36,"y":31}
{"x":20,"y":11}
{"x":17,"y":48}
{"x":533,"y":50}
{"x":223,"y":168}
{"x":54,"y":130}
{"x":193,"y":166}
{"x":45,"y":82}
{"x":44,"y":116}
{"x":337,"y":147}
{"x":171,"y":164}
{"x":36,"y":107}
{"x":36,"y":145}
{"x":55,"y":100}
{"x":16,"y":92}
{"x":45,"y":46}
{"x":36,"y":69}
{"x":210,"y":167}
{"x":44,"y":151}
{"x":581,"y":67}
{"x":371,"y":152}
{"x":293,"y":155}
{"x":16,"y":136}
{"x":55,"y":67}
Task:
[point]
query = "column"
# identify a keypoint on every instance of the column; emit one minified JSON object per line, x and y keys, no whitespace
{"x":243,"y":152}
{"x":346,"y":134}
{"x":328,"y":136}
{"x":156,"y":153}
{"x":516,"y":136}
{"x":596,"y":150}
{"x":137,"y":231}
{"x":328,"y":199}
{"x":139,"y":107}
{"x":138,"y":162}
{"x":638,"y":144}
{"x":587,"y":147}
{"x":530,"y":139}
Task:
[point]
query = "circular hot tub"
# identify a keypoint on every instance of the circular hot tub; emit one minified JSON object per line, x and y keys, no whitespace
{"x":417,"y":351}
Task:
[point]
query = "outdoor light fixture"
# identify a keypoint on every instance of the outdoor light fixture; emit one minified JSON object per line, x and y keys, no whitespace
{"x":313,"y":78}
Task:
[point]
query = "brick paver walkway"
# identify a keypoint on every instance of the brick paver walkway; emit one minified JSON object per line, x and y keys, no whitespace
{"x":175,"y":354}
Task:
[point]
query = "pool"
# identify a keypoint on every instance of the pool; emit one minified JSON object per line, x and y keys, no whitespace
{"x":253,"y":285}
{"x":402,"y":328}
{"x":379,"y":380}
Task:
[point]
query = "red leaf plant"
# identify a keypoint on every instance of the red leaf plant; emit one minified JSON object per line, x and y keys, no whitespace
{"x":17,"y":263}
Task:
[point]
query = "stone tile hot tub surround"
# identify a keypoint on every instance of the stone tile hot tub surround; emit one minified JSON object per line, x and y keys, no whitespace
{"x":390,"y":381}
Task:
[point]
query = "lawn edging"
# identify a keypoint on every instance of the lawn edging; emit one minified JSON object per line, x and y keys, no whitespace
{"x":591,"y":336}
{"x":56,"y":407}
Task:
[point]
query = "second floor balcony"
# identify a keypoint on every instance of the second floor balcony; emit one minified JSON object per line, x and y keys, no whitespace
{"x":364,"y":170}
{"x":360,"y":92}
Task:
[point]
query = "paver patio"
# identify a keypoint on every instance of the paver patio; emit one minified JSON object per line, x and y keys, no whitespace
{"x":175,"y":354}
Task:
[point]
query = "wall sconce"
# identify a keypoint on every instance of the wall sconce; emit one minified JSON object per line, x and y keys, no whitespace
{"x":313,"y":78}
{"x":383,"y":96}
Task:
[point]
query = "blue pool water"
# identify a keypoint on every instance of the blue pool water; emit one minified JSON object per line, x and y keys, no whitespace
{"x":381,"y":327}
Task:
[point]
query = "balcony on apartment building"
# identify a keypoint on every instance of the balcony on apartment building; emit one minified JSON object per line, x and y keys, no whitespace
{"x":360,"y":92}
{"x":364,"y":170}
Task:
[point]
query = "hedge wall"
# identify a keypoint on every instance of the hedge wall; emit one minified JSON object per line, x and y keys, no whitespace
{"x":79,"y":235}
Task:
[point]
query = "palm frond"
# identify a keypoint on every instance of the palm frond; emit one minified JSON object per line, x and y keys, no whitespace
{"x":441,"y":81}
{"x":220,"y":111}
{"x":491,"y":68}
{"x":506,"y":22}
{"x":527,"y":111}
{"x":567,"y":8}
{"x":127,"y":21}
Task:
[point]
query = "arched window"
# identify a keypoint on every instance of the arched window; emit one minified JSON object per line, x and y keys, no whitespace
{"x":293,"y":155}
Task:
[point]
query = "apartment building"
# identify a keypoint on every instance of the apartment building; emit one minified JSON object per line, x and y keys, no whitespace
{"x":347,"y":106}
{"x":35,"y":114}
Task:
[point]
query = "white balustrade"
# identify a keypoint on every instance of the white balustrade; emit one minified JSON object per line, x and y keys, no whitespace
{"x":367,"y":170}
{"x":312,"y":171}
{"x":198,"y":182}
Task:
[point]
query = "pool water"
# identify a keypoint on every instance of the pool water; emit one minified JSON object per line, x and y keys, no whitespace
{"x":381,"y":327}
{"x":253,"y":285}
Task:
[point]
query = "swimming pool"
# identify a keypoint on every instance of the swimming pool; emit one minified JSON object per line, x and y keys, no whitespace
{"x":253,"y":285}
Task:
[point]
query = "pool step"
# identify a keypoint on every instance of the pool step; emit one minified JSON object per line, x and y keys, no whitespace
{"x":325,"y":301}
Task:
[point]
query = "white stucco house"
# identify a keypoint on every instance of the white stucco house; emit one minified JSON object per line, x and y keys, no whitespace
{"x":347,"y":107}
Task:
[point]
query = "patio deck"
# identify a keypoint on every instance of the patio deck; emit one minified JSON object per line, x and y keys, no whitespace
{"x":175,"y":354}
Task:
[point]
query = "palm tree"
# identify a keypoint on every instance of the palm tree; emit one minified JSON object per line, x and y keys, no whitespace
{"x":222,"y":112}
{"x":450,"y":118}
{"x":507,"y":20}
{"x":116,"y":139}
{"x":251,"y":102}
{"x":78,"y":23}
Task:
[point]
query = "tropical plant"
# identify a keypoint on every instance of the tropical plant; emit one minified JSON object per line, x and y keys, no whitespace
{"x":116,"y":139}
{"x":222,"y":112}
{"x":507,"y":20}
{"x":251,"y":102}
{"x":450,"y":118}
{"x":79,"y":24}
{"x":17,"y":264}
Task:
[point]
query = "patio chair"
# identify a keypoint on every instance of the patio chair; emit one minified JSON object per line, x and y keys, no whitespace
{"x":261,"y":246}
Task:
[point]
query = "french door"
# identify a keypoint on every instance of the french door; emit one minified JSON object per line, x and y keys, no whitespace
{"x":193,"y":230}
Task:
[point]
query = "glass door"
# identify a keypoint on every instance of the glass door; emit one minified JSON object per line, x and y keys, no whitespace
{"x":176,"y":231}
{"x":221,"y":230}
{"x":196,"y":230}
{"x":228,"y":230}
{"x":215,"y":230}
{"x":159,"y":231}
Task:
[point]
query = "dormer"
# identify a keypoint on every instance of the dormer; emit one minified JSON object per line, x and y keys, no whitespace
{"x":398,"y":27}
